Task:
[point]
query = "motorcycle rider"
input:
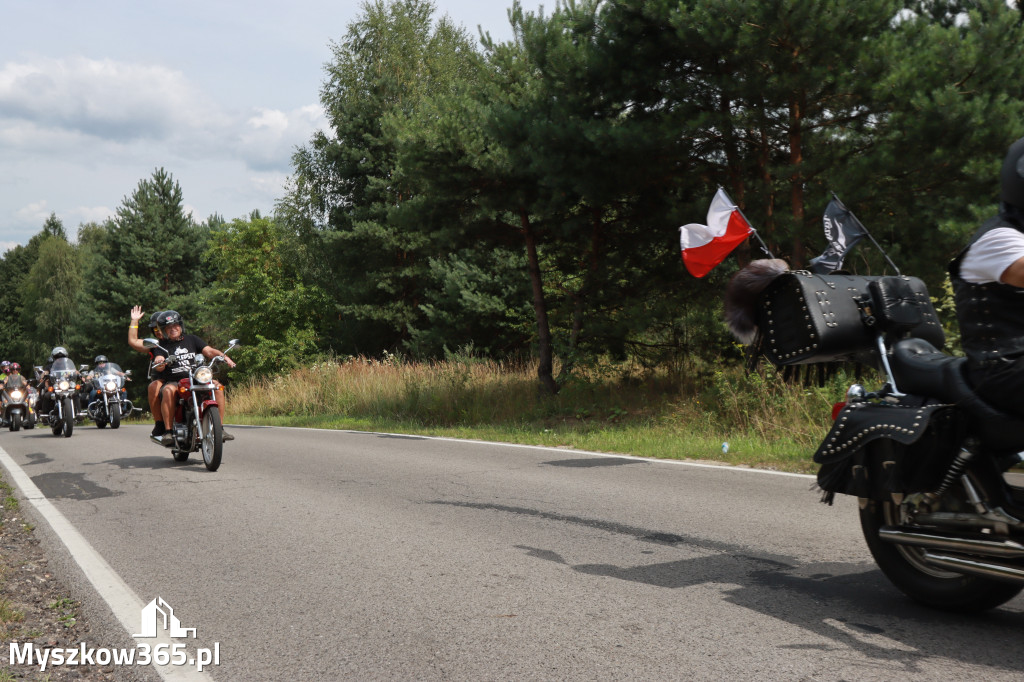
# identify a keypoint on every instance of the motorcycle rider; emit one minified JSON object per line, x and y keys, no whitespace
{"x":179,"y":344}
{"x":153,"y":390}
{"x":988,"y":283}
{"x":100,"y":367}
{"x":14,"y":380}
{"x":45,"y":403}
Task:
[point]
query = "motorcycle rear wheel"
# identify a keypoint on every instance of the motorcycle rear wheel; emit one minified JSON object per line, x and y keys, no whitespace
{"x":932,"y":586}
{"x":213,"y":439}
{"x":115,"y":415}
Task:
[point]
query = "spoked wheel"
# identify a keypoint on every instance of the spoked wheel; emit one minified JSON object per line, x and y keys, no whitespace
{"x":115,"y":415}
{"x":906,"y":567}
{"x":69,"y":417}
{"x":213,"y":439}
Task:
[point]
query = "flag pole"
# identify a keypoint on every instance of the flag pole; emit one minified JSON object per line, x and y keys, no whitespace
{"x":870,"y":236}
{"x":764,"y":247}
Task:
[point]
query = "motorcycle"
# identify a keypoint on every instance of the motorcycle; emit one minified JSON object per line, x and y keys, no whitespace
{"x":33,"y":414}
{"x":197,"y":424}
{"x":61,"y":389}
{"x":111,"y":402}
{"x":930,"y":462}
{"x":14,"y":400}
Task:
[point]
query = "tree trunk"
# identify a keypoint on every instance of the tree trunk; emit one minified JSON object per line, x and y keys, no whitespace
{"x":546,"y":362}
{"x":796,"y":159}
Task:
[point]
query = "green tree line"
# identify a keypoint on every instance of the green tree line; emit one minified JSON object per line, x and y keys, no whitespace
{"x":521,"y":198}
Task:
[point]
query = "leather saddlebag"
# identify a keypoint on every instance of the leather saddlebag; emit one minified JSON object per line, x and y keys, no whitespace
{"x":806,"y":318}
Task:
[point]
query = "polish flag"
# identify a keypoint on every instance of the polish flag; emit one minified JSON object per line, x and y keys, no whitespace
{"x":705,"y":246}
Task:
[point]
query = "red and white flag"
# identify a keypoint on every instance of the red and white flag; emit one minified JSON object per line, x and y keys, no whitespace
{"x":705,"y":246}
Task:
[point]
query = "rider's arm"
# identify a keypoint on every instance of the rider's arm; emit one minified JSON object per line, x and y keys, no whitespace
{"x":1014,"y":275}
{"x":133,"y":331}
{"x":210,"y":352}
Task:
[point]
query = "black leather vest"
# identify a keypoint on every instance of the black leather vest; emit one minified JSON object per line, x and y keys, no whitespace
{"x":991,"y":315}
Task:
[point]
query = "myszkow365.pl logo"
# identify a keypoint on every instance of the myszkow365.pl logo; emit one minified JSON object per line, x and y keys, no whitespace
{"x":157,"y":619}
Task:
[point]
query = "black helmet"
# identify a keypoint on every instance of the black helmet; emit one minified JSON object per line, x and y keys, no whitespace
{"x":1012,"y":177}
{"x":59,"y":352}
{"x":153,"y":318}
{"x":167,"y":318}
{"x":99,"y":359}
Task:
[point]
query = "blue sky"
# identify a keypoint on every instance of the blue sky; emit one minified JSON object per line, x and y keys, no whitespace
{"x":94,"y":96}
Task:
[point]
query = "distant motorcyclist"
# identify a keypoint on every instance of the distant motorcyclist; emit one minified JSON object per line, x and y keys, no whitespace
{"x":183,"y":347}
{"x":100,"y":367}
{"x":45,"y":404}
{"x":14,"y":377}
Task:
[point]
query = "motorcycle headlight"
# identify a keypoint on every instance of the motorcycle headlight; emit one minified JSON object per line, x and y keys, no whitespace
{"x":63,"y":384}
{"x":110,"y":386}
{"x":16,"y":395}
{"x":204,"y":375}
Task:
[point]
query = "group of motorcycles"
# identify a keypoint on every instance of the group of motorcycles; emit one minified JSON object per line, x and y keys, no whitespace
{"x":102,"y":391}
{"x":197,"y":423}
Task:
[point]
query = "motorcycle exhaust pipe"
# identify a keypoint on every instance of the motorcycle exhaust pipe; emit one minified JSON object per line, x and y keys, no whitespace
{"x":997,"y":548}
{"x":980,"y":568}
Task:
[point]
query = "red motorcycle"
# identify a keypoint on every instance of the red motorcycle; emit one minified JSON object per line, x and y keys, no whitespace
{"x":197,"y":425}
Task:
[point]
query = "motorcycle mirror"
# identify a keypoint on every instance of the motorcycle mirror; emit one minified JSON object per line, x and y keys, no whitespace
{"x":128,"y":372}
{"x":234,"y":342}
{"x":82,"y":368}
{"x":153,"y":343}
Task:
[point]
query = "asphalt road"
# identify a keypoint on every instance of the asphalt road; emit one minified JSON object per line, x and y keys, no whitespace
{"x":340,"y":555}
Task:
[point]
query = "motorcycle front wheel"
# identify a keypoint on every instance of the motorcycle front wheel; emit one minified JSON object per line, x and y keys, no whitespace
{"x":213,"y":439}
{"x":906,"y":568}
{"x":69,"y":417}
{"x":16,"y":421}
{"x":115,"y":415}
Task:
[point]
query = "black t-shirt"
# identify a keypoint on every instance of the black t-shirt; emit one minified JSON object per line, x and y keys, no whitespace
{"x":188,"y":351}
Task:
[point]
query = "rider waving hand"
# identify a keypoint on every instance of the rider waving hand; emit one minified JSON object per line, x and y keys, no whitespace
{"x":181,"y":346}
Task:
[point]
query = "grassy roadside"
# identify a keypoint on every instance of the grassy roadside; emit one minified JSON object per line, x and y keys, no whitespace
{"x":765,"y":421}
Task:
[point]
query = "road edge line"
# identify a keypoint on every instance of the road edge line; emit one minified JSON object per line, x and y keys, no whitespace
{"x":122,"y":601}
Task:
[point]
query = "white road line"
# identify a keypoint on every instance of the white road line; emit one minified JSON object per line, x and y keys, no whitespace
{"x":123,"y":602}
{"x":548,"y":448}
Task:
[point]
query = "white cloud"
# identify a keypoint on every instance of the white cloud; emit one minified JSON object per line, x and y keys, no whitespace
{"x":269,"y":137}
{"x":100,"y":98}
{"x":89,"y":214}
{"x":35,"y":212}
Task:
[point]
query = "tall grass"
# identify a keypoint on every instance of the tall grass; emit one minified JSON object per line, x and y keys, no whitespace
{"x":766,"y":421}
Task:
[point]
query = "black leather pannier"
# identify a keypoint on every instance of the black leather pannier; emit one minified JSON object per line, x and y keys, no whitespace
{"x":806,"y":318}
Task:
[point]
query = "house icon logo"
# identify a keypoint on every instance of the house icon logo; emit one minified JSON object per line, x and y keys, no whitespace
{"x":157,"y":614}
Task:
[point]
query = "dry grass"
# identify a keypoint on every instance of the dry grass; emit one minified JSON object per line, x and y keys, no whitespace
{"x":765,"y":420}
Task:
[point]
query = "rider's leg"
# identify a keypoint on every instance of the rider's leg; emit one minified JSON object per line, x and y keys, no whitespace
{"x":167,"y":403}
{"x":153,"y":394}
{"x":222,"y":408}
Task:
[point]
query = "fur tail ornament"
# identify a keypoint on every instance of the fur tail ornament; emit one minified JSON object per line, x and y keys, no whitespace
{"x":742,"y":293}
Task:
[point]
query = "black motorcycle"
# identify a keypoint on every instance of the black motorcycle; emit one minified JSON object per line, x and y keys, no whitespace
{"x":930,"y":462}
{"x":107,"y":397}
{"x":59,"y":389}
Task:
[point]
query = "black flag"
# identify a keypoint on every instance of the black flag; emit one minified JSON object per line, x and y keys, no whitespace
{"x":843,"y":231}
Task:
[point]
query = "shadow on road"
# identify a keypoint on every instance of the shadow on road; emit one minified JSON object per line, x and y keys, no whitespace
{"x":842,"y":606}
